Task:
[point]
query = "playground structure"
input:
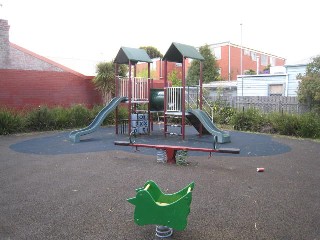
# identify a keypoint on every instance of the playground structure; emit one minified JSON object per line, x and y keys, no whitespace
{"x":178,"y":103}
{"x":167,"y":211}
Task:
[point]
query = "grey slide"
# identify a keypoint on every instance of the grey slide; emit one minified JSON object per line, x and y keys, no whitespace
{"x":75,"y":135}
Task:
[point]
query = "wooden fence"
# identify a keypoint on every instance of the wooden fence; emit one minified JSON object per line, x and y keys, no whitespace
{"x":265,"y":104}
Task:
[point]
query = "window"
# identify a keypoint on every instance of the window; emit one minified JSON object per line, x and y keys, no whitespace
{"x":275,"y":89}
{"x":264,"y":60}
{"x":246,"y":52}
{"x":217,"y":52}
{"x":253,"y":56}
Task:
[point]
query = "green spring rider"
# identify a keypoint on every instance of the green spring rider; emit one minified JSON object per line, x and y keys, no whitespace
{"x":167,"y":211}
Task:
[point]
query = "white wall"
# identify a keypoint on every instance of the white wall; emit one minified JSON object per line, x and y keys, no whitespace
{"x":258,"y":85}
{"x":293,"y":82}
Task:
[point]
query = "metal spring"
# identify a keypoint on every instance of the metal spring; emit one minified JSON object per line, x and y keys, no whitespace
{"x":163,"y":231}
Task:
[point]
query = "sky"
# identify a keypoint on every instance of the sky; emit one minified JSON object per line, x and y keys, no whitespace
{"x":81,"y":33}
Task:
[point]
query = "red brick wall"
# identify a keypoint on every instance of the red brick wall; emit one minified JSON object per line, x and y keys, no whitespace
{"x":22,"y":89}
{"x":235,"y":62}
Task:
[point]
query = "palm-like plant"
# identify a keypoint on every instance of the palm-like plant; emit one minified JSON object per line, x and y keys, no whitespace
{"x":105,"y":79}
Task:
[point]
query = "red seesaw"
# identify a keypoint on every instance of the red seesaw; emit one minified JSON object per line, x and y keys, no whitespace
{"x":172,"y":150}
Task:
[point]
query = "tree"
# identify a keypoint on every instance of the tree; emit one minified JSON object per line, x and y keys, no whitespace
{"x":309,"y":88}
{"x":104,"y":81}
{"x":144,"y":73}
{"x":210,"y":70}
{"x":152,"y":52}
{"x":173,"y":77}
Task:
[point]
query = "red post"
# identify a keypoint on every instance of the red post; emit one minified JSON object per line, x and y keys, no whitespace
{"x":165,"y":85}
{"x":129,"y":96}
{"x":116,"y":78}
{"x":201,"y":93}
{"x":183,"y":99}
{"x":148,"y":94}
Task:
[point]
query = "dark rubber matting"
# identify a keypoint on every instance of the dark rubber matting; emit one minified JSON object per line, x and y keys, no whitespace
{"x":250,"y":144}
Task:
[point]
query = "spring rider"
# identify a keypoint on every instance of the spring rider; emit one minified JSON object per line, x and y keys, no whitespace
{"x":166,"y":211}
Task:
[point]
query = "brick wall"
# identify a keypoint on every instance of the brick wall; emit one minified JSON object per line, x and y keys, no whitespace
{"x":247,"y":62}
{"x":20,"y":89}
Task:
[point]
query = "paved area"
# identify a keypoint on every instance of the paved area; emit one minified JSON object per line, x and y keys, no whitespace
{"x":51,"y":188}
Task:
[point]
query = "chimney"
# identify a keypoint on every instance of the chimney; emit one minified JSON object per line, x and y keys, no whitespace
{"x":4,"y":44}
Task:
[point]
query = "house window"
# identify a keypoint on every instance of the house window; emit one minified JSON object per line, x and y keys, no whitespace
{"x":264,"y":60}
{"x":253,"y":56}
{"x":275,"y":89}
{"x":217,"y":52}
{"x":246,"y":52}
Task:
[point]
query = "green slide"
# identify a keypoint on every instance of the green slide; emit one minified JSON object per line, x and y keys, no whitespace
{"x":198,"y":116}
{"x":75,"y":135}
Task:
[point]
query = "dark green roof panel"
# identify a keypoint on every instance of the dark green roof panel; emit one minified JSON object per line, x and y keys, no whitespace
{"x":178,"y":51}
{"x":133,"y":55}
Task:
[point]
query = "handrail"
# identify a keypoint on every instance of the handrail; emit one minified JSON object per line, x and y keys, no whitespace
{"x":139,"y":88}
{"x":192,"y":102}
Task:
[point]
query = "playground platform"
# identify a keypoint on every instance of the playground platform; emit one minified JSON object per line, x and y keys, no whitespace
{"x":52,"y":188}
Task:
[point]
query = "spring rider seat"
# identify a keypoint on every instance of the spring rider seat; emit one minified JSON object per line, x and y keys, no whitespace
{"x":167,"y":211}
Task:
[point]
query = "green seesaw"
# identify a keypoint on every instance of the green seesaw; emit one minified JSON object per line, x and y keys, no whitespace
{"x":167,"y":211}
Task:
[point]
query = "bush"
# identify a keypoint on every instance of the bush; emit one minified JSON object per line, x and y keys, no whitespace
{"x":44,"y":118}
{"x":285,"y":124}
{"x":40,"y":119}
{"x":309,"y":125}
{"x":61,"y":118}
{"x":79,"y":116}
{"x":223,"y":114}
{"x":249,"y":120}
{"x":10,"y":122}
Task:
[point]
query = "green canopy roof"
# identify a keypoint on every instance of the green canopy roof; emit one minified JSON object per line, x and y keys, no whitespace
{"x":178,"y":51}
{"x":133,"y":55}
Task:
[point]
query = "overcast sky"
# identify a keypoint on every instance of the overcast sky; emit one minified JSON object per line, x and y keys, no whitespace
{"x":81,"y":33}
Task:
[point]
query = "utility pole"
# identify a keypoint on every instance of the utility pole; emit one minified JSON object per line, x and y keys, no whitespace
{"x":241,"y":59}
{"x":241,"y":51}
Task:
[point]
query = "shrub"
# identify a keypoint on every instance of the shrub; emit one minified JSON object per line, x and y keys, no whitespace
{"x":79,"y":116}
{"x":10,"y":122}
{"x":249,"y":120}
{"x":222,"y":112}
{"x":285,"y":124}
{"x":61,"y":118}
{"x":309,"y":125}
{"x":40,"y":119}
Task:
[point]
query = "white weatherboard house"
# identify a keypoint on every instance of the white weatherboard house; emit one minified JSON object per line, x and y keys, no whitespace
{"x":282,"y":81}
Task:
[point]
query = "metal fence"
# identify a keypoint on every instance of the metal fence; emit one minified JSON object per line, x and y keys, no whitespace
{"x":265,"y":104}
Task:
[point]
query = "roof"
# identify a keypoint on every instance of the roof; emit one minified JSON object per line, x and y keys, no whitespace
{"x":133,"y":55}
{"x":43,"y":59}
{"x":220,"y":44}
{"x":178,"y":51}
